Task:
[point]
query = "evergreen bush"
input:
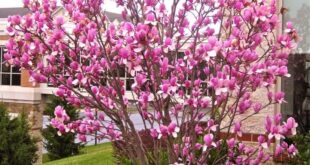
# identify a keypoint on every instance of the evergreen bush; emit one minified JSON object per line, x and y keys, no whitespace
{"x":16,"y":145}
{"x":60,"y":146}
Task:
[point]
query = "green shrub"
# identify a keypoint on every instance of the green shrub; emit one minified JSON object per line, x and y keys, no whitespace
{"x":60,"y":146}
{"x":16,"y":145}
{"x":302,"y":142}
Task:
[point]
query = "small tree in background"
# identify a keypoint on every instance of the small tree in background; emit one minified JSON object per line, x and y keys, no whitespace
{"x":16,"y":145}
{"x":60,"y":146}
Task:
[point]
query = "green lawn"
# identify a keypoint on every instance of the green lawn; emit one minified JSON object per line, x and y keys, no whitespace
{"x":90,"y":155}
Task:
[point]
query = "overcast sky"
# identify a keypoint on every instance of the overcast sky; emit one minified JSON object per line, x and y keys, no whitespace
{"x":109,"y":5}
{"x":10,"y":3}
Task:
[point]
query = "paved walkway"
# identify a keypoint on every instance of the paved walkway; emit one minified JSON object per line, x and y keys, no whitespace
{"x":135,"y":117}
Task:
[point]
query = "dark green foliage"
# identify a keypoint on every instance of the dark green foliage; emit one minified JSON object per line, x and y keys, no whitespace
{"x":302,"y":143}
{"x":60,"y":146}
{"x":16,"y":145}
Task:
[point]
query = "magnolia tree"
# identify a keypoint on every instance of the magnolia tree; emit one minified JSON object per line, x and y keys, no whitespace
{"x":230,"y":51}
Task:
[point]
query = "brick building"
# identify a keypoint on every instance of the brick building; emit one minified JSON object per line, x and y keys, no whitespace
{"x":20,"y":95}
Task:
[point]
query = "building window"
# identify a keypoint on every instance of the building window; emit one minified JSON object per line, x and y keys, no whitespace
{"x":297,"y":87}
{"x":9,"y":75}
{"x":124,"y":76}
{"x":129,"y":80}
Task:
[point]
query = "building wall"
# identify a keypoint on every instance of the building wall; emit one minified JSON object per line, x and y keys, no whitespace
{"x":24,"y":98}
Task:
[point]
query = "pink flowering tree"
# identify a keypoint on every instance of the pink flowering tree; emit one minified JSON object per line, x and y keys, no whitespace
{"x":230,"y":51}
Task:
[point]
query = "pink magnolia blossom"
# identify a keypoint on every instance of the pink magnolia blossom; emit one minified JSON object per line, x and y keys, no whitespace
{"x":211,"y":125}
{"x":279,"y":150}
{"x":237,"y":128}
{"x":290,"y":126}
{"x":208,"y":142}
{"x":173,"y":129}
{"x":231,"y":143}
{"x":292,"y":150}
{"x":262,"y":141}
{"x":279,"y":97}
{"x":61,"y":114}
{"x":257,"y":107}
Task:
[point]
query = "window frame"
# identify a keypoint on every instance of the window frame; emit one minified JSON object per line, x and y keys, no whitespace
{"x":11,"y":71}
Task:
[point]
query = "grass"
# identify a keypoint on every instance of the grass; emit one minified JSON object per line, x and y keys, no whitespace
{"x":101,"y":154}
